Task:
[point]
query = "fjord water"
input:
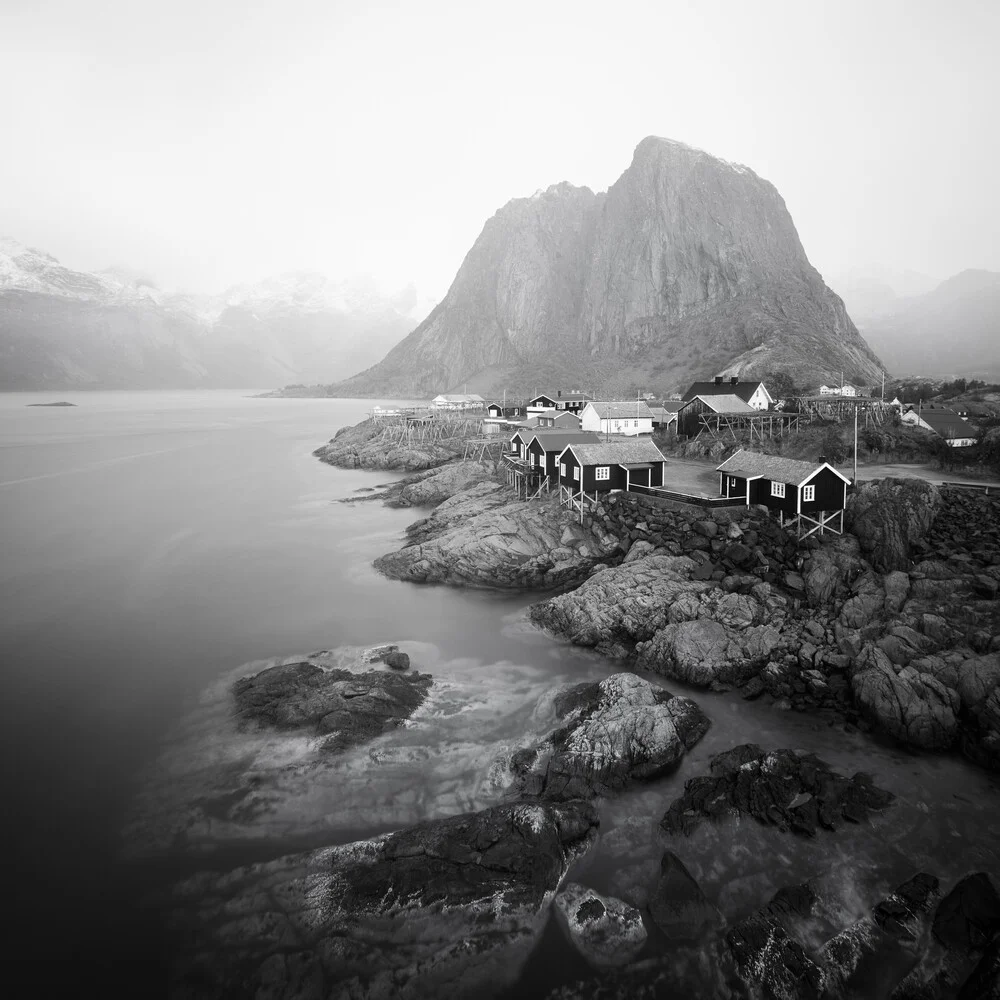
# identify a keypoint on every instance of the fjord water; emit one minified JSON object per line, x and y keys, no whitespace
{"x":153,"y":542}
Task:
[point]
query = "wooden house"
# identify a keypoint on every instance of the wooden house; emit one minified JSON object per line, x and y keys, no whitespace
{"x":546,"y":446}
{"x":811,"y":494}
{"x":499,"y":411}
{"x":630,"y":417}
{"x":459,"y":401}
{"x":546,"y":402}
{"x":563,"y":420}
{"x":519,"y":442}
{"x":601,"y":467}
{"x":753,"y":392}
{"x":943,"y":421}
{"x":688,"y":418}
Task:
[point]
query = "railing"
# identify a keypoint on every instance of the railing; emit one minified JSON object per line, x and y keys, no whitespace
{"x":688,"y":498}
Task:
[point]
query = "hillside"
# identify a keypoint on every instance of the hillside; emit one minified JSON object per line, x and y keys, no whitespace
{"x":66,"y":329}
{"x":687,"y":266}
{"x":952,"y":330}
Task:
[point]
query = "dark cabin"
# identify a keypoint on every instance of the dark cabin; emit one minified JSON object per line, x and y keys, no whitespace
{"x":572,"y":402}
{"x":599,"y":468}
{"x":546,"y":446}
{"x":564,"y":420}
{"x":497,"y":411}
{"x":543,"y":401}
{"x":519,"y":441}
{"x":784,"y":485}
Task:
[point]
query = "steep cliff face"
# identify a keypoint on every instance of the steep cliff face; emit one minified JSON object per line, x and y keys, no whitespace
{"x":689,"y":265}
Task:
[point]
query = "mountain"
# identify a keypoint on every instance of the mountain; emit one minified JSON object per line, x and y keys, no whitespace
{"x":952,"y":330}
{"x":64,"y":329}
{"x":874,"y":290}
{"x":688,"y":266}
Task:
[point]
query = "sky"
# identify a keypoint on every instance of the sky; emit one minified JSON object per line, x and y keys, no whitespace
{"x":213,"y":142}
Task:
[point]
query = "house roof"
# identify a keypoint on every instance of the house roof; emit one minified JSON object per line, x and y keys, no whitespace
{"x":622,"y":410}
{"x":673,"y":404}
{"x":462,"y":397}
{"x":948,"y":425}
{"x":617,"y":452}
{"x":751,"y":464}
{"x":727,"y":403}
{"x":552,"y":439}
{"x":742,"y":389}
{"x":662,"y":413}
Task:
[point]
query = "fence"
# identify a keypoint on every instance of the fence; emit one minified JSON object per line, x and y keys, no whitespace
{"x":687,"y":498}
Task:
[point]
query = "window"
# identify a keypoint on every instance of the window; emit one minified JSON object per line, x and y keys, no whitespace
{"x":576,"y":471}
{"x":808,"y":494}
{"x":777,"y":489}
{"x":635,"y":423}
{"x":534,"y":459}
{"x":603,"y":472}
{"x":732,"y":482}
{"x":562,"y":468}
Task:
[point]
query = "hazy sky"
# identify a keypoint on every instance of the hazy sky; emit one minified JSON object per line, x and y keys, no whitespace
{"x":208,"y":142}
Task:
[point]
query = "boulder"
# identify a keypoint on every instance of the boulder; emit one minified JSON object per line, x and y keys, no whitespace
{"x":702,"y":651}
{"x":442,"y":484}
{"x":621,"y":605}
{"x":914,"y":707}
{"x":793,"y":791}
{"x":605,"y":931}
{"x":613,"y":732}
{"x":677,"y":904}
{"x":888,"y":516}
{"x":969,"y":916}
{"x":346,"y":706}
{"x":447,"y":908}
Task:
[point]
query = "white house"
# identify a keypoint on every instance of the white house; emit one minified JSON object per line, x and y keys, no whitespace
{"x":944,"y":422}
{"x":459,"y":401}
{"x":848,"y":390}
{"x":630,"y":418}
{"x":829,"y":390}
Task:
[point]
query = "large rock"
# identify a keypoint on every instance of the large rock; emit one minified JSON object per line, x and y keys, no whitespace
{"x":622,"y":605}
{"x":979,"y":689}
{"x":517,"y":545}
{"x":613,"y":732}
{"x":829,"y":570}
{"x":606,"y":931}
{"x":794,"y":791}
{"x":345,"y":706}
{"x":702,"y":651}
{"x":365,"y":446}
{"x":914,"y":707}
{"x":447,"y":908}
{"x":442,"y":484}
{"x":888,"y":516}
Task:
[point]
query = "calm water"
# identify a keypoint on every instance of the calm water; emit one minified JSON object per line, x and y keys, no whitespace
{"x":153,"y":542}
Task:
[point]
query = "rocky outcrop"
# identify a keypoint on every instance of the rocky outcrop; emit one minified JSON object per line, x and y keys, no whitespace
{"x":605,"y":931}
{"x":794,"y":791}
{"x":888,"y":516}
{"x":362,"y":446}
{"x":441,"y":485}
{"x":484,"y":539}
{"x":616,"y":731}
{"x":447,"y":908}
{"x":686,"y":257}
{"x":342,"y":705}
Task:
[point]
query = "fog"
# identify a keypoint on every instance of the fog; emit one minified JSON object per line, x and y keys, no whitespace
{"x":211,"y":143}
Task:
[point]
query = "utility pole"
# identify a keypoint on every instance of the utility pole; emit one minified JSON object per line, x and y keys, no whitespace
{"x":855,"y":445}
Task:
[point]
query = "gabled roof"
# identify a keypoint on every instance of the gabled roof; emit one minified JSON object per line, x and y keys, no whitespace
{"x":616,"y":452}
{"x":553,"y":439}
{"x":464,"y":397}
{"x":674,"y":404}
{"x":752,"y":464}
{"x":727,"y":403}
{"x":662,"y":413}
{"x":742,"y":389}
{"x":622,"y":410}
{"x":948,"y":425}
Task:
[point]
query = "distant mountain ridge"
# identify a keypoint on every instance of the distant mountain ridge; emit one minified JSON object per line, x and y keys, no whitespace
{"x":688,"y":266}
{"x":952,"y":330}
{"x":64,"y":329}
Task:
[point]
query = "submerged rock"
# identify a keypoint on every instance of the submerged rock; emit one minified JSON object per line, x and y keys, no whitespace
{"x":677,"y":905}
{"x":614,"y":732}
{"x":346,"y":706}
{"x":794,"y":791}
{"x":446,"y":908}
{"x":606,"y":931}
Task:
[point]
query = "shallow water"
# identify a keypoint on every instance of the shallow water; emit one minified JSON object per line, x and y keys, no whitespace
{"x":155,"y":543}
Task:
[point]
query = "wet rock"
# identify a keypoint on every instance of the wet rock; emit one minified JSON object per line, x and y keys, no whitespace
{"x":790,"y":790}
{"x":398,"y":661}
{"x":888,"y":516}
{"x":613,"y":732}
{"x":969,"y":916}
{"x":606,"y":931}
{"x":984,"y":983}
{"x":348,"y":707}
{"x":447,"y":908}
{"x":677,"y":904}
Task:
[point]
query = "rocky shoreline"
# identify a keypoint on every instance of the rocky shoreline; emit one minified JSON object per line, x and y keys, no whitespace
{"x":890,"y":629}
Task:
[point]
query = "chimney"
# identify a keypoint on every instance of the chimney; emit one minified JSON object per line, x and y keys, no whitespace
{"x":559,"y":393}
{"x":822,"y":460}
{"x":718,"y":380}
{"x":734,"y":379}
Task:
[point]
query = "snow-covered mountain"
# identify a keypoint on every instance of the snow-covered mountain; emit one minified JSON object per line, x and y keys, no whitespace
{"x":61,"y":328}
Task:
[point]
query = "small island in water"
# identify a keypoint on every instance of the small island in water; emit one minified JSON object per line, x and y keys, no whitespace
{"x":60,"y":403}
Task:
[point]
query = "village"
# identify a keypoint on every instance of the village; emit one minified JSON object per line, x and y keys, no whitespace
{"x":567,"y":443}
